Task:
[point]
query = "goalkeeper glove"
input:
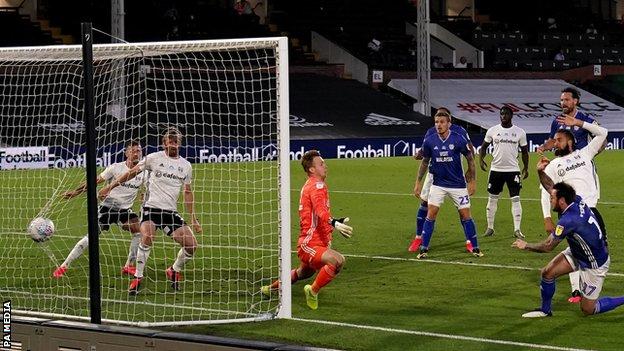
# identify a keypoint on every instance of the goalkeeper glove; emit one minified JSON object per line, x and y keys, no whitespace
{"x":339,"y":223}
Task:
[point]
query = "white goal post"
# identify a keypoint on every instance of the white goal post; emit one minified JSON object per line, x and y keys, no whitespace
{"x":229,"y":98}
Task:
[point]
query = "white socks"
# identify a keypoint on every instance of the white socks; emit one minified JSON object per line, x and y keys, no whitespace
{"x":183,"y":257}
{"x":142,"y":255}
{"x":134,"y":245}
{"x":516,"y":212}
{"x":490,"y":210}
{"x":77,"y":251}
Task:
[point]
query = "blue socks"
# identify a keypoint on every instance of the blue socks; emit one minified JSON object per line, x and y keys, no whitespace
{"x":606,"y":304}
{"x":420,"y":219}
{"x":470,"y":231}
{"x":547,"y":287}
{"x":427,"y":231}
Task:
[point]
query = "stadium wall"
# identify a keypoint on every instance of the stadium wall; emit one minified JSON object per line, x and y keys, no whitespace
{"x":55,"y":157}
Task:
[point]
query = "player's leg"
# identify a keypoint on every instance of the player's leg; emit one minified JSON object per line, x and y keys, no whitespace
{"x":329,"y":263}
{"x":149,"y":222}
{"x":133,"y":226}
{"x":561,"y":264}
{"x":436,"y":199}
{"x":514,"y":184}
{"x":185,"y":237}
{"x":82,"y":244}
{"x":304,"y":271}
{"x":422,"y":213}
{"x":494,"y":188}
{"x":591,"y":286}
{"x":461,"y":199}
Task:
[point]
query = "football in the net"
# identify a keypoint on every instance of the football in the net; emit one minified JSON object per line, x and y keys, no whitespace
{"x":41,"y":229}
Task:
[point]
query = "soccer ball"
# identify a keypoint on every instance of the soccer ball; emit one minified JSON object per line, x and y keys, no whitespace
{"x":41,"y":229}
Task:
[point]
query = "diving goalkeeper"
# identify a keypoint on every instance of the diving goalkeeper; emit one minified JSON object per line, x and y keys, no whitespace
{"x":317,"y":225}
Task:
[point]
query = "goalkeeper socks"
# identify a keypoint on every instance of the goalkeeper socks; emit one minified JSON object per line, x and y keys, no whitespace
{"x":490,"y":210}
{"x":142,"y":255}
{"x":575,"y":280}
{"x":294,"y":277}
{"x":181,"y":260}
{"x":420,"y":219}
{"x":77,"y":251}
{"x":324,"y":277}
{"x":427,"y":231}
{"x":606,"y":304}
{"x":516,"y":212}
{"x":547,"y":287}
{"x":134,"y":245}
{"x":470,"y":231}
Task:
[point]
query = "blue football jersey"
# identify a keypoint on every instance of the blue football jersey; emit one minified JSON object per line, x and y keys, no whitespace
{"x":445,"y":159}
{"x":580,"y":228}
{"x":581,"y":136}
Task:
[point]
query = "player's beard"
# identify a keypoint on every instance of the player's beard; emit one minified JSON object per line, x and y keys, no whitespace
{"x":172,"y":152}
{"x":562,"y":152}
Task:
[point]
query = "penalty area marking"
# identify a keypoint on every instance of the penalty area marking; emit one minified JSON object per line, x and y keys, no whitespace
{"x":440,"y":335}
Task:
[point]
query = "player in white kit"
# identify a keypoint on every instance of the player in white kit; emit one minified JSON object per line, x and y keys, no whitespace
{"x":507,"y":139}
{"x":168,"y":174}
{"x":114,"y":209}
{"x":575,"y":167}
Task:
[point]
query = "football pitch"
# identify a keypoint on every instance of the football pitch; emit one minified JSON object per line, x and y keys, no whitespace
{"x":385,"y":299}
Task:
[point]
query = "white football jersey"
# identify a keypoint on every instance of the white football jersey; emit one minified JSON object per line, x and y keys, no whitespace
{"x":123,"y":196}
{"x":165,"y":180}
{"x":505,"y":142}
{"x":577,"y":169}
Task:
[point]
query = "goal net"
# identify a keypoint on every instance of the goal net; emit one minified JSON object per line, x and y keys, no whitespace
{"x":229,"y":98}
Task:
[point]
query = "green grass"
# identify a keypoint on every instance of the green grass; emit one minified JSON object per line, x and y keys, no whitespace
{"x":381,"y":285}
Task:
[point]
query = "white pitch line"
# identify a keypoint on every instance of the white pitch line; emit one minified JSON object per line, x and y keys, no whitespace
{"x":412,"y":195}
{"x":455,"y":263}
{"x":440,"y":335}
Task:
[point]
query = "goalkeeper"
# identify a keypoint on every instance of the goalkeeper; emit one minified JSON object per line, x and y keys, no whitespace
{"x":317,"y":225}
{"x":115,"y":209}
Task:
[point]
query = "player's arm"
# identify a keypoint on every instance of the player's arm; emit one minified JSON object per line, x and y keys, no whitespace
{"x":319,"y":207}
{"x":122,"y":179}
{"x":189,"y":205}
{"x":599,"y":133}
{"x":80,"y":189}
{"x":471,"y":173}
{"x":482,"y":154}
{"x":524,"y":150}
{"x":547,"y":183}
{"x":545,"y":246}
{"x":420,"y":175}
{"x":550,"y":142}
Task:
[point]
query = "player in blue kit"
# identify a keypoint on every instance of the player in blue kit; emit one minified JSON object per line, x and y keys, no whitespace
{"x":587,"y":251}
{"x":570,"y":98}
{"x":424,"y":193}
{"x":442,"y":156}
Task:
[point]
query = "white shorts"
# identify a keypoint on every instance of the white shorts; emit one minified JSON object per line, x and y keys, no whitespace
{"x":459,"y":195}
{"x":424,"y":193}
{"x":591,"y":280}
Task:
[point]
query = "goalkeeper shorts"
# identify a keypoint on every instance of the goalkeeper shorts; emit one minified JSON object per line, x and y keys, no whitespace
{"x":311,"y":256}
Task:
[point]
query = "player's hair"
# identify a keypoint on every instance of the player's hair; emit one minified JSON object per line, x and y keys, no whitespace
{"x":172,"y":132}
{"x":506,"y":109}
{"x":443,"y":112}
{"x":575,"y":93}
{"x":566,"y":191}
{"x":308,"y":158}
{"x":133,"y":142}
{"x":569,"y":135}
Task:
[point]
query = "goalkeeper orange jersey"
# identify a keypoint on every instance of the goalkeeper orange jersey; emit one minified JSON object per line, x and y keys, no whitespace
{"x":314,"y":215}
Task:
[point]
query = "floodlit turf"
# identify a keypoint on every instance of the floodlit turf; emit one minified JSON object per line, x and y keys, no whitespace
{"x":387,"y":299}
{"x":383,"y":286}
